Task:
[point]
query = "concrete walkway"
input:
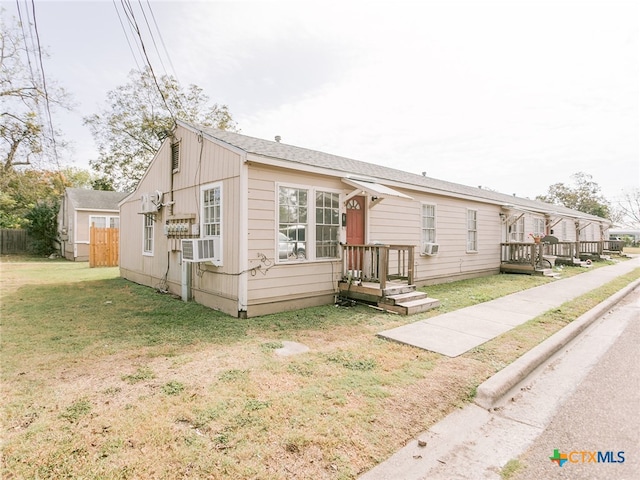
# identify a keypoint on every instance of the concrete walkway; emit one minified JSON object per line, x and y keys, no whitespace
{"x":455,"y":333}
{"x":475,"y":442}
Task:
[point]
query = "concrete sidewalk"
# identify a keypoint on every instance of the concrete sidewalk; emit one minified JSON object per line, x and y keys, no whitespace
{"x":475,"y":442}
{"x":454,"y":333}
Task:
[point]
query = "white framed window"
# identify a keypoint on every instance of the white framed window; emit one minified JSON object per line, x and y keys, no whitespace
{"x":563,"y":229}
{"x":327,"y":224}
{"x":308,"y":224}
{"x":428,"y":223}
{"x":211,"y":218}
{"x":516,"y":230}
{"x":147,"y":234}
{"x":472,"y":230}
{"x":293,"y":223}
{"x":539,"y":227}
{"x":212,"y":210}
{"x":104,"y":221}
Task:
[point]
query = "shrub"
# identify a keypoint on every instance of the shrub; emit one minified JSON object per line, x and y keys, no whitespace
{"x":42,"y":227}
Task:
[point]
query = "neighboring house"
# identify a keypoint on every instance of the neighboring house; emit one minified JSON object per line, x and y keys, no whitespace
{"x":279,"y":227}
{"x":621,"y":234}
{"x":79,"y":209}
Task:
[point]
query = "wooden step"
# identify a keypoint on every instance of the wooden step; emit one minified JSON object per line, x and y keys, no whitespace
{"x":547,"y":272}
{"x":403,"y":297}
{"x":398,"y":290}
{"x":412,"y":306}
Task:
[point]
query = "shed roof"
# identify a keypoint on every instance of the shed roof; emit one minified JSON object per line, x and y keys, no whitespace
{"x":82,"y":198}
{"x":305,"y":157}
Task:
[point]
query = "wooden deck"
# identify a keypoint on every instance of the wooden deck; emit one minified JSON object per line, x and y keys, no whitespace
{"x":539,"y":258}
{"x":382,"y":275}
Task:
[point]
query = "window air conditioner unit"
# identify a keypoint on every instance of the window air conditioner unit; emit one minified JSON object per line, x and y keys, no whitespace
{"x":430,"y":249}
{"x":200,"y":249}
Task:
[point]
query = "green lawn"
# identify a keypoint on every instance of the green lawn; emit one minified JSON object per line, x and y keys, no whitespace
{"x":103,"y":378}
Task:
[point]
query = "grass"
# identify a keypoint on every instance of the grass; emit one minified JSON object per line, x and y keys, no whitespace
{"x":511,"y":468}
{"x":103,"y":378}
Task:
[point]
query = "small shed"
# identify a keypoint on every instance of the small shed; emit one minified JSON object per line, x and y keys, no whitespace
{"x":79,"y":209}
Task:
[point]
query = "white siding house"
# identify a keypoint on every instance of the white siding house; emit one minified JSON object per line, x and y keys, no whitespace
{"x":276,"y":222}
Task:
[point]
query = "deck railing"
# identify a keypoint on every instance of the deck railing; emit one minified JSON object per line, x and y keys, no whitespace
{"x":521,"y":252}
{"x":527,"y":252}
{"x":561,"y":249}
{"x":591,"y":247}
{"x":613,"y":245}
{"x":378,"y":263}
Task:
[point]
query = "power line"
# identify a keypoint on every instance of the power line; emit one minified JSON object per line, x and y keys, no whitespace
{"x":153,"y":39}
{"x":175,"y":74}
{"x":26,"y":45}
{"x":124,"y":30}
{"x":134,"y":23}
{"x":44,"y":86}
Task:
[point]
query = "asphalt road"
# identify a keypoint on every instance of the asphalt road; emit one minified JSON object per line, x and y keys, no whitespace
{"x":602,"y":415}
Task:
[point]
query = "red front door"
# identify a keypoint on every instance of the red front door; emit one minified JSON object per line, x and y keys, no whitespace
{"x":355,"y":231}
{"x":355,"y":221}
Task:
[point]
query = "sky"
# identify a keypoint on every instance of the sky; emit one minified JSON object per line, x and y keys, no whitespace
{"x":510,"y":95}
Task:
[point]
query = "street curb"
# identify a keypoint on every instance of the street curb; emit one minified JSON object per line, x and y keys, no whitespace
{"x":492,"y":390}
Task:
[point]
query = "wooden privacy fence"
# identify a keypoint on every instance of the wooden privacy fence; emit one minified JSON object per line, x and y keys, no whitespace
{"x":104,"y":247}
{"x":13,"y":241}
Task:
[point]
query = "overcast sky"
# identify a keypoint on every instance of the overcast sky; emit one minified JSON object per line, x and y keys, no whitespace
{"x":513,"y":95}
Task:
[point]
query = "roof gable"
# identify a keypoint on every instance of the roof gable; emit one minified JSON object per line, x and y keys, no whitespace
{"x":82,"y":198}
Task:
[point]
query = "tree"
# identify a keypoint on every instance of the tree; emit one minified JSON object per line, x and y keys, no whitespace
{"x":21,"y":191}
{"x":139,"y":114}
{"x":103,"y":183}
{"x":25,"y":129}
{"x":585,"y":196}
{"x":628,"y":209}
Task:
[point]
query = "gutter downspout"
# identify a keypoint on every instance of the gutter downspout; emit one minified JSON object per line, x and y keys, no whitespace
{"x":243,"y":242}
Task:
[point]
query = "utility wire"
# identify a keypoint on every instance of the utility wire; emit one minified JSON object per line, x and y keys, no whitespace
{"x":124,"y":30}
{"x":44,"y":86}
{"x":136,"y":28}
{"x":177,"y":98}
{"x":153,"y":39}
{"x":128,"y":13}
{"x":175,"y":74}
{"x":26,"y":44}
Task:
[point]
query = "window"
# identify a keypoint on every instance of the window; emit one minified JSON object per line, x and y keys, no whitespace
{"x":327,"y":224}
{"x":308,"y":224}
{"x":472,"y":230}
{"x":292,"y":223}
{"x":516,"y":230}
{"x":175,"y":157}
{"x":147,"y":229}
{"x":539,"y":227}
{"x":428,"y":223}
{"x":564,"y":231}
{"x":212,"y":211}
{"x":100,"y":221}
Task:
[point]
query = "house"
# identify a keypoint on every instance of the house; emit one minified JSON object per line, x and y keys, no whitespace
{"x":250,"y":227}
{"x":79,"y":209}
{"x":630,"y":235}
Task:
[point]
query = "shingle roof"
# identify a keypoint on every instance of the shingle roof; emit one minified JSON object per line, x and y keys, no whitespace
{"x":306,"y":157}
{"x":94,"y":199}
